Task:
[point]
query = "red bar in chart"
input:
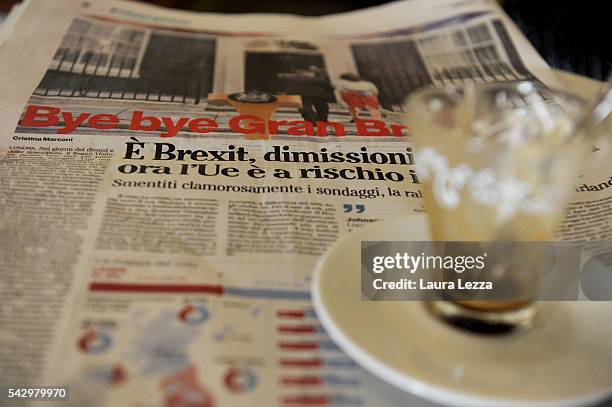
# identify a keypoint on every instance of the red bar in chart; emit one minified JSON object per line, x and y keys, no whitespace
{"x":301,"y":381}
{"x":298,"y":329}
{"x":295,"y":314}
{"x":305,"y":345}
{"x":314,"y":362}
{"x":156,"y":288}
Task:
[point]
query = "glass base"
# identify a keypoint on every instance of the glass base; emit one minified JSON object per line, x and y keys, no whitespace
{"x":490,"y":322}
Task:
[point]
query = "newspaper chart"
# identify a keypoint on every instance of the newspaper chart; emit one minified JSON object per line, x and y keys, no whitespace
{"x":169,"y":179}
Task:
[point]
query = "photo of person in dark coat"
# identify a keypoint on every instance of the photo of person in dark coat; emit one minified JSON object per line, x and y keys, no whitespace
{"x":312,"y":84}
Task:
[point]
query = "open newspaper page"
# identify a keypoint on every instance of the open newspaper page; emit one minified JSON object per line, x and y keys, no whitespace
{"x":168,"y":181}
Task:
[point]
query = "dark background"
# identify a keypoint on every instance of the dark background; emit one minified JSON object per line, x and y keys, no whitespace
{"x":570,"y":35}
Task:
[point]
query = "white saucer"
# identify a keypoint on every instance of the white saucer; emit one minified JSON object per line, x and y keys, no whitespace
{"x":564,"y":360}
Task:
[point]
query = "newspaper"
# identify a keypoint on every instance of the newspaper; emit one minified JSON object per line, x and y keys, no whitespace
{"x":169,"y":179}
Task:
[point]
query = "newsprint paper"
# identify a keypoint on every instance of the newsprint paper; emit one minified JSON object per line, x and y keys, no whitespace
{"x":169,"y":179}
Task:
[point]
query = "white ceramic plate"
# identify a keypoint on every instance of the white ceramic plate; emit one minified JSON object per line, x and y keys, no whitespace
{"x":564,"y":360}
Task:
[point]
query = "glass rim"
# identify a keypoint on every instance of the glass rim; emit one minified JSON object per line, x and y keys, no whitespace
{"x":413,"y":102}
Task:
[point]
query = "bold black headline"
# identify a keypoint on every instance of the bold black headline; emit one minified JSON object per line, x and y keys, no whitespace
{"x":211,"y":163}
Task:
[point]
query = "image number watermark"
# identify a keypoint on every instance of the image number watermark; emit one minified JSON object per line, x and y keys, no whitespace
{"x":12,"y":393}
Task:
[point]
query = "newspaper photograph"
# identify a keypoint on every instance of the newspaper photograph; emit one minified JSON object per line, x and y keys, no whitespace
{"x":169,"y":179}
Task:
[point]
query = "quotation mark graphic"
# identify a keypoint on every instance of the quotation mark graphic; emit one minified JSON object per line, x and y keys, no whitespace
{"x":359,"y":208}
